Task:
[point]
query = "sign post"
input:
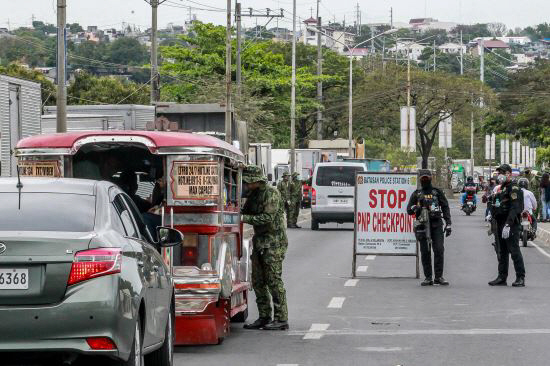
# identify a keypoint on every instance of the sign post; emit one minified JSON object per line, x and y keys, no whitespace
{"x":382,"y":224}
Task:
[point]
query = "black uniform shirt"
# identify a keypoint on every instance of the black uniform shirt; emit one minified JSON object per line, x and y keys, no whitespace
{"x":437,"y":195}
{"x":510,"y":203}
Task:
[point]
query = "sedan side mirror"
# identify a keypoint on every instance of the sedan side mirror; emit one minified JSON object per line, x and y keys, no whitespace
{"x":169,"y":237}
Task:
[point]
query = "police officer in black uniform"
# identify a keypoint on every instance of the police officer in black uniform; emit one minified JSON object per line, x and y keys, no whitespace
{"x":438,"y":207}
{"x":506,"y":209}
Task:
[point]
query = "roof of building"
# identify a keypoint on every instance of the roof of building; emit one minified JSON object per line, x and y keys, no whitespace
{"x":156,"y":138}
{"x":495,"y":43}
{"x":311,"y":20}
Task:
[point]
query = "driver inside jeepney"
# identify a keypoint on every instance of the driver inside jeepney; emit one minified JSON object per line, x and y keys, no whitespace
{"x":133,"y":168}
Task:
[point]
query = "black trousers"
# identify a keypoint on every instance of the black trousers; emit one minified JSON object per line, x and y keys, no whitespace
{"x":507,"y":247}
{"x":438,"y":249}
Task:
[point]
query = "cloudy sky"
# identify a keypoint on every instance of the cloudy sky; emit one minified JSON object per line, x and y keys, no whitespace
{"x":107,"y":13}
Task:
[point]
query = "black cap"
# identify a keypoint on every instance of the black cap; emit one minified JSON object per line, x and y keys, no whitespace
{"x":424,"y":173}
{"x":504,"y":168}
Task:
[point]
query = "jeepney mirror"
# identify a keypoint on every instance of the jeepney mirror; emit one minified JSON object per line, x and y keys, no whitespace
{"x":169,"y":237}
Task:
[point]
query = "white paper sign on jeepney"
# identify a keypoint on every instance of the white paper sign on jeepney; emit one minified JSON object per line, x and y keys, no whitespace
{"x":382,"y":225}
{"x":43,"y":168}
{"x":195,"y":180}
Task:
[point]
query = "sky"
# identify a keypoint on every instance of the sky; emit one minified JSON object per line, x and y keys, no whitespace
{"x":113,"y":13}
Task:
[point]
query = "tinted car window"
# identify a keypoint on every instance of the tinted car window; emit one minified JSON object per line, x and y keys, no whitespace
{"x":47,"y":212}
{"x":125,"y":217}
{"x":337,"y":176}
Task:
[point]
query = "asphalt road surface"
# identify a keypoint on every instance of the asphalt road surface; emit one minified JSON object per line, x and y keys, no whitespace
{"x":385,"y":318}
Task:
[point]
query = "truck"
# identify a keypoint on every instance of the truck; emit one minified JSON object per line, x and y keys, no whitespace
{"x":20,"y":110}
{"x":260,"y":154}
{"x":133,"y":116}
{"x":84,"y":122}
{"x":373,"y":165}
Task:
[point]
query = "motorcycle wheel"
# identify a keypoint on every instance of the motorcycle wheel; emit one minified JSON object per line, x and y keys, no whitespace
{"x":524,"y":238}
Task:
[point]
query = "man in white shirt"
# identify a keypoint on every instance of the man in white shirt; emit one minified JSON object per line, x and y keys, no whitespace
{"x":529,"y":200}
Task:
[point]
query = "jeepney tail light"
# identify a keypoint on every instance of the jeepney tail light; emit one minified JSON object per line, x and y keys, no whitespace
{"x":189,"y":256}
{"x":94,"y":263}
{"x":313,"y":196}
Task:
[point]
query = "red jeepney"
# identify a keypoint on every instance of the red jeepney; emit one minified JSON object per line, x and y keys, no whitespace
{"x":199,"y":180}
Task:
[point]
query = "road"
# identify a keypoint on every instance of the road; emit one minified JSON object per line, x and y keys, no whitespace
{"x":386,"y":318}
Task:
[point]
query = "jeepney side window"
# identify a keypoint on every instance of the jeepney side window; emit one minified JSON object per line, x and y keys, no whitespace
{"x":194,"y":251}
{"x":230,"y":179}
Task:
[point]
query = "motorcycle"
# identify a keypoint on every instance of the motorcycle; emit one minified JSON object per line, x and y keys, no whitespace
{"x":469,"y":207}
{"x":527,"y":232}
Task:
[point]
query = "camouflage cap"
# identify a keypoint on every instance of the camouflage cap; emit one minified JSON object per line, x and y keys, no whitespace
{"x":286,"y":174}
{"x":253,"y":174}
{"x":424,"y":173}
{"x":295,"y":175}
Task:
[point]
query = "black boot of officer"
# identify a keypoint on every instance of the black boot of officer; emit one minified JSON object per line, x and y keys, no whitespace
{"x":434,"y":200}
{"x":507,"y":208}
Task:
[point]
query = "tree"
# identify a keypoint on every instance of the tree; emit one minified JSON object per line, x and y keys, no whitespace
{"x":127,"y":51}
{"x":89,"y":89}
{"x":497,"y":29}
{"x":75,"y":28}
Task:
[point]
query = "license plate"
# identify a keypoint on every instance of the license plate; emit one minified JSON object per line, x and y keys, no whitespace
{"x":525,"y":223}
{"x":470,"y":203}
{"x":14,"y":279}
{"x":340,"y":201}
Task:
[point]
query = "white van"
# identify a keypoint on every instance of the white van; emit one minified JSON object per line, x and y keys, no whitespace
{"x":333,"y":193}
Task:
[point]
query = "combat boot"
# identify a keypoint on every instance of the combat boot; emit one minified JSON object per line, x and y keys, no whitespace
{"x":520,"y":282}
{"x":427,"y":282}
{"x":276,"y":325}
{"x":441,"y":281}
{"x":499,"y":281}
{"x":258,"y":324}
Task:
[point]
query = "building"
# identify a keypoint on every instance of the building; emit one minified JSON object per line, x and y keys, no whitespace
{"x":521,"y":41}
{"x":337,"y":39}
{"x":413,"y":50}
{"x":309,"y":36}
{"x":452,"y":48}
{"x":424,"y":24}
{"x":358,"y":53}
{"x":490,"y":45}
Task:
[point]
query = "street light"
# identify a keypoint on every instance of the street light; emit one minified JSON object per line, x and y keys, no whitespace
{"x":351,"y":50}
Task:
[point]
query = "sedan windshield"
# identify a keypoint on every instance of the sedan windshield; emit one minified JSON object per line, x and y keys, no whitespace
{"x":47,"y":212}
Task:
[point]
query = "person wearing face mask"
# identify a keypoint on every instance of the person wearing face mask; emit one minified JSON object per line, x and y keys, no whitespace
{"x":264,"y":210}
{"x":507,"y":208}
{"x":434,"y":199}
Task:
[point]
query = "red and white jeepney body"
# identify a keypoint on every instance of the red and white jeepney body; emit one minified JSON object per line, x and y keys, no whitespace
{"x":202,"y":180}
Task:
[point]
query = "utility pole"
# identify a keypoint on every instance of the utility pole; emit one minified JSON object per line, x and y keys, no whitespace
{"x":461,"y":54}
{"x":409,"y":142}
{"x":391,"y":18}
{"x":155,"y":76}
{"x":472,"y":143}
{"x":228,"y":132}
{"x":434,"y":57}
{"x":319,"y":73}
{"x":60,"y":70}
{"x":238,"y":73}
{"x":358,"y":20}
{"x":293,"y":93}
{"x":482,"y":63}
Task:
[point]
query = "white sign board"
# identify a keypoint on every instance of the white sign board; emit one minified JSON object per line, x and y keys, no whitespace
{"x":382,"y":225}
{"x":408,"y":129}
{"x":446,"y":132}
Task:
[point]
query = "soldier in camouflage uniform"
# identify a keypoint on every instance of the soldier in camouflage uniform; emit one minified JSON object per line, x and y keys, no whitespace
{"x":264,"y":210}
{"x":295,"y":200}
{"x":284,"y":190}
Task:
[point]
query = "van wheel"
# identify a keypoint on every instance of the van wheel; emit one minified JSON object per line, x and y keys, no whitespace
{"x":314,"y":224}
{"x":164,"y":356}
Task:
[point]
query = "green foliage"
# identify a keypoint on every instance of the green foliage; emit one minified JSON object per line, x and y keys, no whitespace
{"x":88,"y":89}
{"x":537,"y":32}
{"x":127,"y":51}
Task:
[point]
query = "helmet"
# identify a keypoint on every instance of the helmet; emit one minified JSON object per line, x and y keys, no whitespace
{"x":523,"y":183}
{"x":253,"y":174}
{"x":470,"y":179}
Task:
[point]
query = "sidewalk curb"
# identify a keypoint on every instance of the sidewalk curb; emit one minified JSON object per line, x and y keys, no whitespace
{"x":543,"y":236}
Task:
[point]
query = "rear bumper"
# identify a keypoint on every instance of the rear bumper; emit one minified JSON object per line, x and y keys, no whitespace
{"x":334,"y":216}
{"x":206,"y":327}
{"x":90,"y":309}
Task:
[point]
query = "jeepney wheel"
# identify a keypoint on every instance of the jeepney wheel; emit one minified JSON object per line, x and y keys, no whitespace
{"x":240,"y":317}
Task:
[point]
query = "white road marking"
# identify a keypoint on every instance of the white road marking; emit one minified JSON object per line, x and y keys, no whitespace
{"x":336,"y":303}
{"x":383,"y":349}
{"x":316,"y":331}
{"x":370,"y":257}
{"x":428,"y":332}
{"x":542,"y":251}
{"x":351,"y":282}
{"x":288,"y":364}
{"x":362,"y":268}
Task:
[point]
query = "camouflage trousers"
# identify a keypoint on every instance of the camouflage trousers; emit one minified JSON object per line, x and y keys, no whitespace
{"x":267,"y":281}
{"x":293,"y":212}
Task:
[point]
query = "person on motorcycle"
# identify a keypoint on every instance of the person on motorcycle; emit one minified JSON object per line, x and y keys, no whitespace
{"x":529,"y":200}
{"x":469,"y":183}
